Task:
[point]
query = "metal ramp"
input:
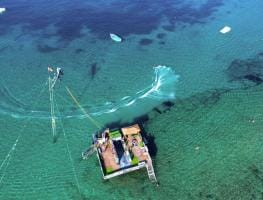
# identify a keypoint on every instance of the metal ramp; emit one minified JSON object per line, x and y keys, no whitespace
{"x":151,"y":173}
{"x":87,"y":153}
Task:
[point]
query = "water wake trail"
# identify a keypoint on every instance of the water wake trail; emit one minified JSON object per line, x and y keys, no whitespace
{"x":162,"y":89}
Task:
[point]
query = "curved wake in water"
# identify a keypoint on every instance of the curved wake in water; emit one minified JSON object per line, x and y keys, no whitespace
{"x":162,"y":89}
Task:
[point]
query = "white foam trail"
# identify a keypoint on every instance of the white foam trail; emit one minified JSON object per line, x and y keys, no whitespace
{"x":162,"y":89}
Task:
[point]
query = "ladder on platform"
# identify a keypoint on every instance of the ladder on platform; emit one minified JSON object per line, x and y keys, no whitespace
{"x":151,"y":173}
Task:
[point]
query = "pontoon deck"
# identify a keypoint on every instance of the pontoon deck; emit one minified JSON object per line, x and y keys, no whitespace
{"x":121,"y":151}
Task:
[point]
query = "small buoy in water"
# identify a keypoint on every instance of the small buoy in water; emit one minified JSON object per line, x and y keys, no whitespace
{"x":115,"y":37}
{"x":197,"y":148}
{"x":225,"y":30}
{"x":2,"y":10}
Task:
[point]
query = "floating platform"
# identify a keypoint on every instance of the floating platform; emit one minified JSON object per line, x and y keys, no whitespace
{"x":121,"y":151}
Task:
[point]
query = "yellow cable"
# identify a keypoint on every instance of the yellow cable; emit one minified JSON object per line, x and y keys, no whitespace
{"x":83,"y":110}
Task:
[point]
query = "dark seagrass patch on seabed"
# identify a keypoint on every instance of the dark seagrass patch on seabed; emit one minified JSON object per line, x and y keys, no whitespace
{"x":79,"y":50}
{"x":169,"y":28}
{"x":208,"y":99}
{"x":248,"y":72}
{"x":145,"y":42}
{"x":44,"y":48}
{"x":3,"y":49}
{"x":256,"y":172}
{"x":93,"y":70}
{"x":120,"y":17}
{"x":160,"y":35}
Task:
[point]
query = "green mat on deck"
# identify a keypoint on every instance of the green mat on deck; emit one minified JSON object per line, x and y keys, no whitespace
{"x":115,"y":134}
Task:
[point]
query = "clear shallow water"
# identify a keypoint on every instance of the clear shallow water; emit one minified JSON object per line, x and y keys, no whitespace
{"x":206,"y":147}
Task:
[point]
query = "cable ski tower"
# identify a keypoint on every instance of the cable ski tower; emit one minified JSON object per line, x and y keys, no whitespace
{"x":52,"y":80}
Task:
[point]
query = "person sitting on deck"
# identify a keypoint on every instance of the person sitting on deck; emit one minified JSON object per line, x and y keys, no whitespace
{"x":134,"y":142}
{"x":105,"y":137}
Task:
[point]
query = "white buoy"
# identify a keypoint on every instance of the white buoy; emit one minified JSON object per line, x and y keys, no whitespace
{"x":225,"y":30}
{"x":2,"y":10}
{"x":115,"y":37}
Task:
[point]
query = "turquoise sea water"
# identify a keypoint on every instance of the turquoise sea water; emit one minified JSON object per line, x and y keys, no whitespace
{"x":206,"y":143}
